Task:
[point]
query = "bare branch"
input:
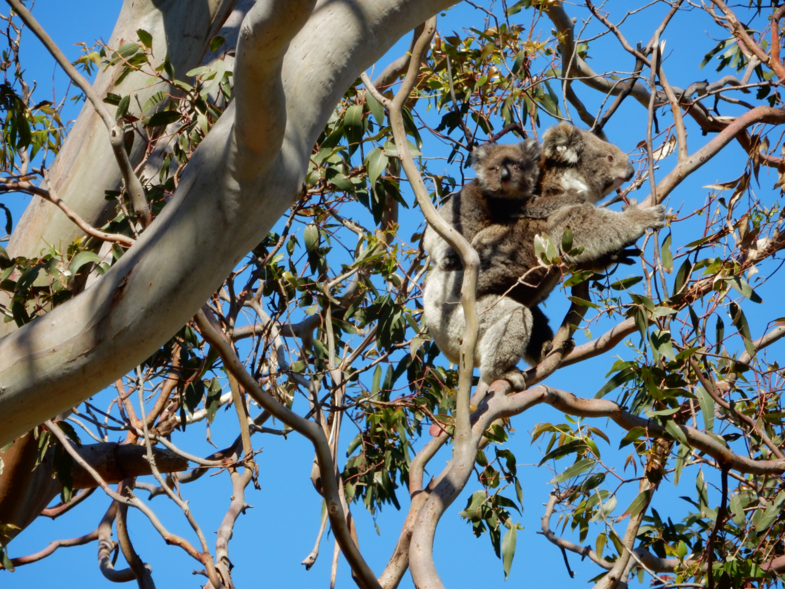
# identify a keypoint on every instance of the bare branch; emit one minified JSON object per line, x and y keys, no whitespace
{"x":24,"y":186}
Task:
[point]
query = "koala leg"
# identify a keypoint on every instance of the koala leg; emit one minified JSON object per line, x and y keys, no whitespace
{"x":540,"y":340}
{"x":504,"y":329}
{"x":503,"y":336}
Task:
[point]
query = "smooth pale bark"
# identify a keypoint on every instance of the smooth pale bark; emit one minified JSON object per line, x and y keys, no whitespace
{"x":85,"y":167}
{"x":218,"y":213}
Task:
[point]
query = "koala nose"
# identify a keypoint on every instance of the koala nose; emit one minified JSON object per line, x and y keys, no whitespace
{"x":630,"y":172}
{"x":505,"y":174}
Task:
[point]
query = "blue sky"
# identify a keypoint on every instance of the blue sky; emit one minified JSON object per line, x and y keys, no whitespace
{"x":271,"y":540}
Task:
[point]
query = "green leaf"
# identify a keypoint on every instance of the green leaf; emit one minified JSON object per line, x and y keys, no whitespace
{"x":216,"y":42}
{"x":575,"y":470}
{"x":508,"y":549}
{"x":583,"y":303}
{"x":353,"y":126}
{"x":719,"y":334}
{"x":744,"y":288}
{"x":618,"y":379}
{"x":146,"y":38}
{"x":7,"y":564}
{"x":566,"y":240}
{"x":740,"y":322}
{"x":122,"y":107}
{"x":311,"y":237}
{"x":375,"y":162}
{"x":163,"y":118}
{"x":682,"y":550}
{"x":606,"y":510}
{"x":81,"y":259}
{"x":377,"y":379}
{"x":600,"y":544}
{"x":738,"y":510}
{"x":518,"y":6}
{"x":639,"y":503}
{"x":667,"y":256}
{"x":626,"y":283}
{"x":354,"y":444}
{"x":168,"y":68}
{"x":377,"y":110}
{"x":682,"y":276}
{"x":661,"y":341}
{"x":681,"y":460}
{"x":213,"y":399}
{"x":634,"y":434}
{"x":674,"y":430}
{"x":703,"y":494}
{"x":707,"y":407}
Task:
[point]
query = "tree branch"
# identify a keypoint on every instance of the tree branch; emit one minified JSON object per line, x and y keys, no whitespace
{"x":311,"y":430}
{"x":51,"y":196}
{"x":135,"y":190}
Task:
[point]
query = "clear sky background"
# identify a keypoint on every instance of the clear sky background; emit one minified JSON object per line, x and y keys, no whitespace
{"x":272,"y":538}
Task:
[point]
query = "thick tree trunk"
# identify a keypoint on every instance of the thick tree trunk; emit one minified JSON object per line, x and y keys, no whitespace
{"x":230,"y":196}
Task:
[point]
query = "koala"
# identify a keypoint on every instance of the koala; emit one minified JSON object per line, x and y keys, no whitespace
{"x":577,"y":170}
{"x":575,"y":165}
{"x":506,"y":178}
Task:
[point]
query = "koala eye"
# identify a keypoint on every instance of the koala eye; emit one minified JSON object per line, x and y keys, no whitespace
{"x":610,"y":159}
{"x":516,"y":168}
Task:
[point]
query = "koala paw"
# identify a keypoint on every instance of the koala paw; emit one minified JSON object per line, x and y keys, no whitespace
{"x":515,"y":378}
{"x":633,"y":204}
{"x":648,"y":218}
{"x":565,"y":348}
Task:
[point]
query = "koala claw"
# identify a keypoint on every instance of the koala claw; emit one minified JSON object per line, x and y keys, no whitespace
{"x":515,"y":378}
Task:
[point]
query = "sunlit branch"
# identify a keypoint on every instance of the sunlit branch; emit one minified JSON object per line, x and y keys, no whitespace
{"x":135,"y":190}
{"x":311,"y":430}
{"x":50,"y":195}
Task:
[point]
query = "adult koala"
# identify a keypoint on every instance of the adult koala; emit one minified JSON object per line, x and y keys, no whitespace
{"x":575,"y":166}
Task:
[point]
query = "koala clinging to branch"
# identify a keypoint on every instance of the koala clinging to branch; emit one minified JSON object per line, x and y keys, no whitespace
{"x":507,"y":176}
{"x":575,"y":165}
{"x":578,"y":170}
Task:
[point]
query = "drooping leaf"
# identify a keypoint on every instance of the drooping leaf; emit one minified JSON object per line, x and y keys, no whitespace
{"x":575,"y":470}
{"x":508,"y":549}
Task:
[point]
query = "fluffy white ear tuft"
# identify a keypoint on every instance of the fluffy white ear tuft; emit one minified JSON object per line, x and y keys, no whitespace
{"x":530,"y":149}
{"x":562,"y":144}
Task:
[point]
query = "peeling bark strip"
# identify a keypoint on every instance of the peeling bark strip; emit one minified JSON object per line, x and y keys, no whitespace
{"x":54,"y":363}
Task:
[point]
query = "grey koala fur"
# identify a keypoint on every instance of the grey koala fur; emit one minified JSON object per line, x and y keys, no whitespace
{"x":578,"y":170}
{"x":575,"y":163}
{"x":507,"y":176}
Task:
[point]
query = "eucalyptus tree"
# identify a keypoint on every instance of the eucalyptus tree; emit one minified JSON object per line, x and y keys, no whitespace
{"x":233,"y":221}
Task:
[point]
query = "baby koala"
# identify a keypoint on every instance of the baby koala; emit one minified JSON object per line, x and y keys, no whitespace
{"x":507,"y":176}
{"x":577,"y":170}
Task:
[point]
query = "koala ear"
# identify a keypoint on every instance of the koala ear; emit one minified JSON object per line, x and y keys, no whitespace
{"x":563,"y":143}
{"x":530,"y":149}
{"x":480,"y":153}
